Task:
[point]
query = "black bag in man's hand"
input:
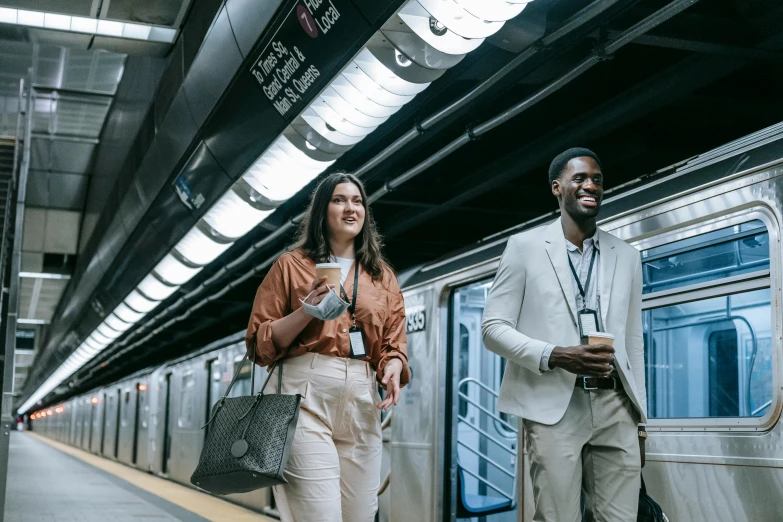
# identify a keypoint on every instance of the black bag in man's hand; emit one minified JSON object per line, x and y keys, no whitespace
{"x":649,"y":510}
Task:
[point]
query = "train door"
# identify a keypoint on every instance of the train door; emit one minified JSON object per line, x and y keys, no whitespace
{"x":142,"y":426}
{"x":166,"y":453}
{"x":116,"y":421}
{"x":90,"y":425}
{"x":78,"y":439}
{"x":483,"y":451}
{"x":135,"y":446}
{"x":74,"y":422}
{"x":213,"y":387}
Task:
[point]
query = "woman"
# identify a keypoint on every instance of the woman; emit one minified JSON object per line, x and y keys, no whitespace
{"x":334,"y":469}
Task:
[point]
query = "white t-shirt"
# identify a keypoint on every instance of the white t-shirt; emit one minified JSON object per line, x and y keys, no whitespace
{"x":345,"y":267}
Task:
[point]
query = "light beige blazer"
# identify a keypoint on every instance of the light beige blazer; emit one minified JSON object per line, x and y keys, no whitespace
{"x":532,"y":303}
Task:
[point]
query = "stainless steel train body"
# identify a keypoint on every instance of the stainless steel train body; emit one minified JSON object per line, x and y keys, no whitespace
{"x":709,"y":234}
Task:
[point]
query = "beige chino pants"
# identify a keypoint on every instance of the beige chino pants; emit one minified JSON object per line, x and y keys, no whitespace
{"x":595,"y":446}
{"x":334,"y":470}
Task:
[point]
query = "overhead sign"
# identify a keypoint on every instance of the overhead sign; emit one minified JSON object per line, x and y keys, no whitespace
{"x":298,"y":59}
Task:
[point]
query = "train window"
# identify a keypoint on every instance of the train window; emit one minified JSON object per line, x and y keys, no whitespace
{"x":710,"y":358}
{"x":731,"y":251}
{"x":186,"y":401}
{"x":242,"y":384}
{"x":708,"y":348}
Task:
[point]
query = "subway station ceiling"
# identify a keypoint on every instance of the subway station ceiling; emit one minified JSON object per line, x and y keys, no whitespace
{"x":73,"y":53}
{"x":699,"y":78}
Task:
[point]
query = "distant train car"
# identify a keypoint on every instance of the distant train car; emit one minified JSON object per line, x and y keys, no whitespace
{"x":709,"y":235}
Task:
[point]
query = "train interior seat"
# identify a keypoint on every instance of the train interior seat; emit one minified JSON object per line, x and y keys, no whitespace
{"x":469,"y":505}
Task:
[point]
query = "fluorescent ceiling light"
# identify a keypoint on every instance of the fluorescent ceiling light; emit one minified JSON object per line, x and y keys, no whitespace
{"x":136,"y":31}
{"x":126,"y":314}
{"x":31,"y":18}
{"x":493,"y":10}
{"x":152,"y":287}
{"x":372,"y":89}
{"x":109,"y":28}
{"x":57,"y":21}
{"x":100,"y":338}
{"x":84,"y":25}
{"x":162,"y":34}
{"x":140,"y":303}
{"x":7,"y":16}
{"x":173,"y":271}
{"x":457,"y":19}
{"x":200,"y":249}
{"x":338,"y":122}
{"x":363,"y":104}
{"x":104,"y":330}
{"x":348,"y":111}
{"x":115,"y":323}
{"x":271,"y":186}
{"x":80,"y":24}
{"x":386,"y":78}
{"x":320,"y":125}
{"x":92,"y":344}
{"x":233,"y":217}
{"x":43,"y":275}
{"x":445,"y":41}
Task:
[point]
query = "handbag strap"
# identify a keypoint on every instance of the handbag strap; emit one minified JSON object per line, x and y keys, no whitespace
{"x":222,"y":401}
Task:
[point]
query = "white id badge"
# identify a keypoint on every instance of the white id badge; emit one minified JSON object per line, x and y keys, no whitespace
{"x":588,"y":322}
{"x":357,"y":343}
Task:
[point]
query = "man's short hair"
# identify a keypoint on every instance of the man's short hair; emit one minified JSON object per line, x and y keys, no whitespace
{"x":559,"y":164}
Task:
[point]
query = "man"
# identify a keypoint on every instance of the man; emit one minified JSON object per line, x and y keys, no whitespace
{"x":581,"y":405}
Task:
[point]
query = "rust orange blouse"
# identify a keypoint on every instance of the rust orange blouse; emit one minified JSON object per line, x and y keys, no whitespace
{"x":380,"y":313}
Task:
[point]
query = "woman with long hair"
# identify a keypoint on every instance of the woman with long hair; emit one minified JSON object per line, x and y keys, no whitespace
{"x":335,"y":344}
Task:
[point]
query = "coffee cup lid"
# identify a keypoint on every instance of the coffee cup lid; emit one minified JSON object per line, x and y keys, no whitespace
{"x":327,"y":265}
{"x":603,"y":335}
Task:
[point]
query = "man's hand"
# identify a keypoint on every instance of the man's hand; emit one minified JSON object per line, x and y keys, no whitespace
{"x":594,"y":360}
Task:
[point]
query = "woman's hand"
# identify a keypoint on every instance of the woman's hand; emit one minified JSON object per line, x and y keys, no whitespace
{"x":391,"y":382}
{"x":318,"y":291}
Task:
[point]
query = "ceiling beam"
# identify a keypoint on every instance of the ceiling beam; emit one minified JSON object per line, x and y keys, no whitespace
{"x":696,"y":46}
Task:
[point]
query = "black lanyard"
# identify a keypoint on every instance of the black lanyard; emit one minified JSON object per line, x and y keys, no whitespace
{"x":352,"y":305}
{"x":583,"y":291}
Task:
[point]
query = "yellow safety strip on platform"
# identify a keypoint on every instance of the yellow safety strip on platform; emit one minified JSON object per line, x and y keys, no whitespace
{"x":202,"y":504}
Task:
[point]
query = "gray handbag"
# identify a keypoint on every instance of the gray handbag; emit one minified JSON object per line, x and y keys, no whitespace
{"x":248,"y":440}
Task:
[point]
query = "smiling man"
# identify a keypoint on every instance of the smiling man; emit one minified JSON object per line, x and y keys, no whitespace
{"x":581,"y":403}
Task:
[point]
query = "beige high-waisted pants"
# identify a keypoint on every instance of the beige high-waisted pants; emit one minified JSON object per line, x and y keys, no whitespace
{"x":334,"y":470}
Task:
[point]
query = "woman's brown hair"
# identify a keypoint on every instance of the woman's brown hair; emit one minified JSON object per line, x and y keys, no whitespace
{"x":313,"y":237}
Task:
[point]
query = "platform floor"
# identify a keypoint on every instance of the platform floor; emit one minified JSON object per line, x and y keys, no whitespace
{"x":53,"y":482}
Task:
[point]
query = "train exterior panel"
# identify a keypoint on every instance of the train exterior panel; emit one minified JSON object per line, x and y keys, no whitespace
{"x":709,"y":235}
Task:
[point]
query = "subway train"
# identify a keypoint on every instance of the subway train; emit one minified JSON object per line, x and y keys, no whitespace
{"x":708,"y":231}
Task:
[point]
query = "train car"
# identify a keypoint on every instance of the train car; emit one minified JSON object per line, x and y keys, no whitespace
{"x":708,"y":231}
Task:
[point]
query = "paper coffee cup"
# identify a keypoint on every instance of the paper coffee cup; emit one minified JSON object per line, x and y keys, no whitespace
{"x":601,"y":338}
{"x":331,"y":271}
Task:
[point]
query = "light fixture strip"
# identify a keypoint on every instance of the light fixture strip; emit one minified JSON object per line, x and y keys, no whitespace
{"x":78,"y":24}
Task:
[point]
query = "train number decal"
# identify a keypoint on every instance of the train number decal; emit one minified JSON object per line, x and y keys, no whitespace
{"x":417,"y":321}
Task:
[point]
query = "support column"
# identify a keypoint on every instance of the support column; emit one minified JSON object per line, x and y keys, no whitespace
{"x":7,"y":418}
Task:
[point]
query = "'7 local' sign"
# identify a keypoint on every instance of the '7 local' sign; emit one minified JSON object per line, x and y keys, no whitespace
{"x":306,"y":46}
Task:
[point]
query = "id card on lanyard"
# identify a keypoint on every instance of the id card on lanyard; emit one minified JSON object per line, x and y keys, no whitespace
{"x":355,"y":334}
{"x":588,"y":318}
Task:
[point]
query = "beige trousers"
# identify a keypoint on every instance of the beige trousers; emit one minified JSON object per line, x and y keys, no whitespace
{"x":334,"y":470}
{"x":595,"y":448}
